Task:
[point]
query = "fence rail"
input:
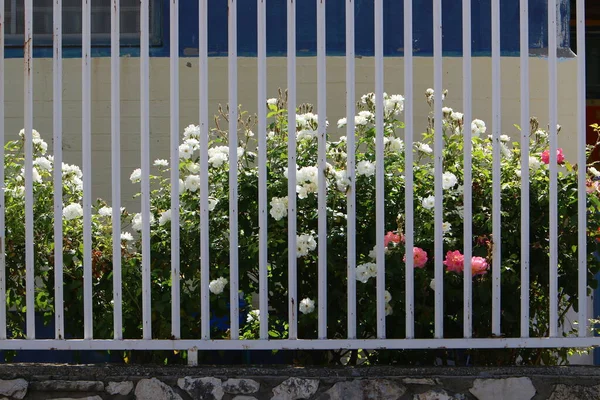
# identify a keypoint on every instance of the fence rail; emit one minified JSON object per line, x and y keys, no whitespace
{"x":554,"y":338}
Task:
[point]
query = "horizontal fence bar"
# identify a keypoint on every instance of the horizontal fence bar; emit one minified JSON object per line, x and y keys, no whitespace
{"x":299,"y":344}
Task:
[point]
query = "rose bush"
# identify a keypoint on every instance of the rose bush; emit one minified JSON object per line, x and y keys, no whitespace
{"x":338,"y":185}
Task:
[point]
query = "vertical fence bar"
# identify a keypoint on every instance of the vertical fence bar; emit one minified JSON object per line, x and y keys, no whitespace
{"x":204,"y":243}
{"x":2,"y":185}
{"x":233,"y":189}
{"x":322,"y":156}
{"x":263,"y":250}
{"x":468,"y":178}
{"x":438,"y":158}
{"x":553,"y":110}
{"x":291,"y":81}
{"x":86,"y":129}
{"x":379,"y":169}
{"x":57,"y":145}
{"x":496,"y":200}
{"x":174,"y":113}
{"x":350,"y":168}
{"x":408,"y":169}
{"x":581,"y":171}
{"x":524,"y":61}
{"x":115,"y":129}
{"x":29,"y":256}
{"x":145,"y":150}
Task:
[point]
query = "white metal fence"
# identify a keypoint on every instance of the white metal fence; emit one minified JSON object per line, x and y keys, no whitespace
{"x":294,"y":342}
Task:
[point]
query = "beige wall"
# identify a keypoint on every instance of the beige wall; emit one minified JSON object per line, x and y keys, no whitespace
{"x":307,"y":92}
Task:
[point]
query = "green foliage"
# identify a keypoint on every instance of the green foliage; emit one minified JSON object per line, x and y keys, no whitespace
{"x":338,"y":188}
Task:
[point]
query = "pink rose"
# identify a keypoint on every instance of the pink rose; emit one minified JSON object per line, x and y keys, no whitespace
{"x":560,"y":158}
{"x":419,"y":257}
{"x":454,"y":261}
{"x":391,"y":237}
{"x":479,"y":266}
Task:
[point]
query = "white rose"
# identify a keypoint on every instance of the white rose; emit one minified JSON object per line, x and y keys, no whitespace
{"x":425,"y":148}
{"x":192,"y":183}
{"x":136,"y":175}
{"x":165,"y":217}
{"x":428,"y":202}
{"x":365,"y":168}
{"x":72,"y":211}
{"x":218,"y":285}
{"x":449,"y":180}
{"x":307,"y":306}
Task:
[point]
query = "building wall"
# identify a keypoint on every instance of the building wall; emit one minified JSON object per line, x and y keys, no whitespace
{"x":307,"y":92}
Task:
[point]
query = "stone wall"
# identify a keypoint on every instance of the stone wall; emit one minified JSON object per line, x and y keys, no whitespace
{"x":62,"y":382}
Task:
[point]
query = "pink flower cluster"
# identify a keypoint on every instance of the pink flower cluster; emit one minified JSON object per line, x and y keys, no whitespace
{"x":455,"y":263}
{"x":560,"y":158}
{"x":419,"y":257}
{"x":392,"y":237}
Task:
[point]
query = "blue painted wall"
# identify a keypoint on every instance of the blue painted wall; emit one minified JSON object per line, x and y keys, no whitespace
{"x":306,"y":28}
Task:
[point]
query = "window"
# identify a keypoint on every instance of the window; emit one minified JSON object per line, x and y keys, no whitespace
{"x":72,"y":20}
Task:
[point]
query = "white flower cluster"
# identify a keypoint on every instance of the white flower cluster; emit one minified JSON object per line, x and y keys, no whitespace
{"x":44,"y":163}
{"x":365,"y":168}
{"x":161,"y":163}
{"x":366,"y":271}
{"x":126,"y":236}
{"x":307,"y":306}
{"x":191,"y":132}
{"x":137,"y":221}
{"x":253,"y":316}
{"x":73,"y":211}
{"x":72,"y":175}
{"x":307,"y":179}
{"x":217,"y":156}
{"x":279,"y":207}
{"x":218,"y":285}
{"x":394,"y":145}
{"x":189,"y":145}
{"x":38,"y":143}
{"x":477,"y":127}
{"x":341,"y":180}
{"x":305,"y":244}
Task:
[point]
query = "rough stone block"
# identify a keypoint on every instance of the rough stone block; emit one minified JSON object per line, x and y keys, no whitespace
{"x":80,"y":398}
{"x":503,"y":389}
{"x":122,"y":388}
{"x":295,"y":388}
{"x":67,"y":386}
{"x":420,"y":381}
{"x":241,"y":386}
{"x":16,"y":388}
{"x":242,"y":397}
{"x":202,"y":388}
{"x":153,"y":389}
{"x":437,"y":394}
{"x":575,"y":392}
{"x":372,"y":389}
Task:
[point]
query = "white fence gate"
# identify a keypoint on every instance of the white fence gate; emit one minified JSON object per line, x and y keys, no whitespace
{"x":554,"y":339}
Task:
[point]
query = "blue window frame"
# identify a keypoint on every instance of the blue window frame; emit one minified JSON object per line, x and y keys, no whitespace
{"x":306,"y":28}
{"x":72,"y":20}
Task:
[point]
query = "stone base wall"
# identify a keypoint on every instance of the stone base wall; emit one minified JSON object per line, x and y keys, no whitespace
{"x":37,"y":382}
